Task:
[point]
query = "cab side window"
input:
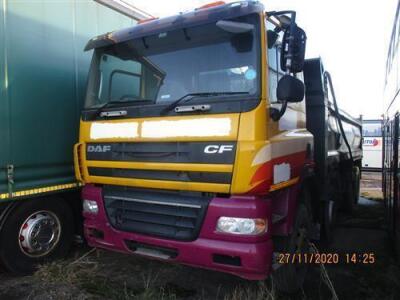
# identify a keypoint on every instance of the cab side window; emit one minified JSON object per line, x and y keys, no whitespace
{"x":274,"y":71}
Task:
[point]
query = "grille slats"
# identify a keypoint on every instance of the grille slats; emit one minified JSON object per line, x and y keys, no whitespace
{"x":123,"y":215}
{"x":158,"y":230}
{"x":154,"y":209}
{"x":168,"y":215}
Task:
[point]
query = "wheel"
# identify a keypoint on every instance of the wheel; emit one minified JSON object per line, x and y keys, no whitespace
{"x":36,"y":232}
{"x":289,"y":278}
{"x":356,"y":183}
{"x":330,"y":208}
{"x":352,"y":191}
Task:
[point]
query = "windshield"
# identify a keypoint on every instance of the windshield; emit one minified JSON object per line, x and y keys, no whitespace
{"x":372,"y":129}
{"x":163,"y":68}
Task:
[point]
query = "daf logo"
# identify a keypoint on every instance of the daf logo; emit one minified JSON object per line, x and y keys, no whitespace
{"x":99,"y":148}
{"x":212,"y":149}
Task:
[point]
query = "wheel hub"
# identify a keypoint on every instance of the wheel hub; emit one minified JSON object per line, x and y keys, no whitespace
{"x":39,"y":234}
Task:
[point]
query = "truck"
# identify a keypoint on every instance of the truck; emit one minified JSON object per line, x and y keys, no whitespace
{"x":43,"y":72}
{"x":391,"y":135}
{"x":207,"y":139}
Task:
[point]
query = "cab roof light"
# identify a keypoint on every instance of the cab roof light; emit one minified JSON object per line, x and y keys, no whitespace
{"x":147,"y":20}
{"x":212,"y":4}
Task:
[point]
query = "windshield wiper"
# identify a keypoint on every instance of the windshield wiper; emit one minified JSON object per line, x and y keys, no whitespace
{"x":130,"y":102}
{"x":191,"y":96}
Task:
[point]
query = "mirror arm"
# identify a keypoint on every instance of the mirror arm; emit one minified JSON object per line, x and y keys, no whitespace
{"x":289,"y":52}
{"x":282,"y":12}
{"x":276,"y":114}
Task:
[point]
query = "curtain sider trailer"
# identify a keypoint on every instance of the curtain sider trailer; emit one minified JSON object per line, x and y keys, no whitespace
{"x":43,"y":72}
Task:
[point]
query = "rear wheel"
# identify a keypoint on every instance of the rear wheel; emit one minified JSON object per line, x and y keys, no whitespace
{"x":352,"y":190}
{"x":36,"y":232}
{"x":356,"y":183}
{"x":289,"y":277}
{"x":330,"y":209}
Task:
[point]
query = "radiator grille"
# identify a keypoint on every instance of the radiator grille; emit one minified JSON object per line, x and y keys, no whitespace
{"x":162,"y":214}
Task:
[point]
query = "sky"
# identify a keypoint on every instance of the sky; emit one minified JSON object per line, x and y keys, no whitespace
{"x":352,"y":37}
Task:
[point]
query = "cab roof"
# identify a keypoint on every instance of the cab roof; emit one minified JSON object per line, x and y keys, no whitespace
{"x":200,"y":16}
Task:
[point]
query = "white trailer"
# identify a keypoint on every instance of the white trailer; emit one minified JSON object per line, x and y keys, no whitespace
{"x":372,"y":145}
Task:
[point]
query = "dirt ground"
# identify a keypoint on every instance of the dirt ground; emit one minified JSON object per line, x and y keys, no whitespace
{"x":91,"y":274}
{"x":371,"y":185}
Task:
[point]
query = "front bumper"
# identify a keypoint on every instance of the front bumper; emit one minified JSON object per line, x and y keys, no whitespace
{"x":249,"y":257}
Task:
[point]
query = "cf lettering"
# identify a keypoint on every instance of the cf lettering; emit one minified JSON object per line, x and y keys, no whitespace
{"x":212,"y":149}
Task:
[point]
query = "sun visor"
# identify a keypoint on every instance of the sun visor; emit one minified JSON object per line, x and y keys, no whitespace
{"x":183,"y":20}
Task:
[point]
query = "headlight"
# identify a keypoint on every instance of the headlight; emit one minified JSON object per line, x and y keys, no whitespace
{"x":242,"y":225}
{"x":90,"y":206}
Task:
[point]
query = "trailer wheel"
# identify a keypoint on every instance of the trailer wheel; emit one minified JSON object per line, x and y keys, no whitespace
{"x":34,"y":233}
{"x":289,"y":278}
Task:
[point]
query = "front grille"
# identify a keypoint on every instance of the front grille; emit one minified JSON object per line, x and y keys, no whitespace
{"x":165,"y":214}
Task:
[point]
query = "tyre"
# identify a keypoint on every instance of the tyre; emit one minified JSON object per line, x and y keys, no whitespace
{"x":352,"y":191}
{"x":356,"y":183}
{"x":34,"y":233}
{"x":330,"y":210}
{"x":289,"y":277}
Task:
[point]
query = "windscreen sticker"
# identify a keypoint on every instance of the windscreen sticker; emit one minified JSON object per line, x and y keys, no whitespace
{"x":250,"y":74}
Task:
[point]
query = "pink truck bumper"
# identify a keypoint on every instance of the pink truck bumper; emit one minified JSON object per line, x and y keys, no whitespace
{"x":247,"y":257}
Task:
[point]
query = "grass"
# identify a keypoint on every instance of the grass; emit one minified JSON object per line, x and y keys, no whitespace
{"x":93,"y":280}
{"x":87,"y":274}
{"x":372,"y":195}
{"x":260,"y":292}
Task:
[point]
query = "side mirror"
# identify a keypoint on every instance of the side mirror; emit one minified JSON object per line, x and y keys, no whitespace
{"x":293,"y":49}
{"x":290,"y":89}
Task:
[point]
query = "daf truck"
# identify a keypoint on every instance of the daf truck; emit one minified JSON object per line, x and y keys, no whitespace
{"x":207,"y":139}
{"x":43,"y":74}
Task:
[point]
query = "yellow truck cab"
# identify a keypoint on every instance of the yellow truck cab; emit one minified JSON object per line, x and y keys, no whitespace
{"x":195,"y":147}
